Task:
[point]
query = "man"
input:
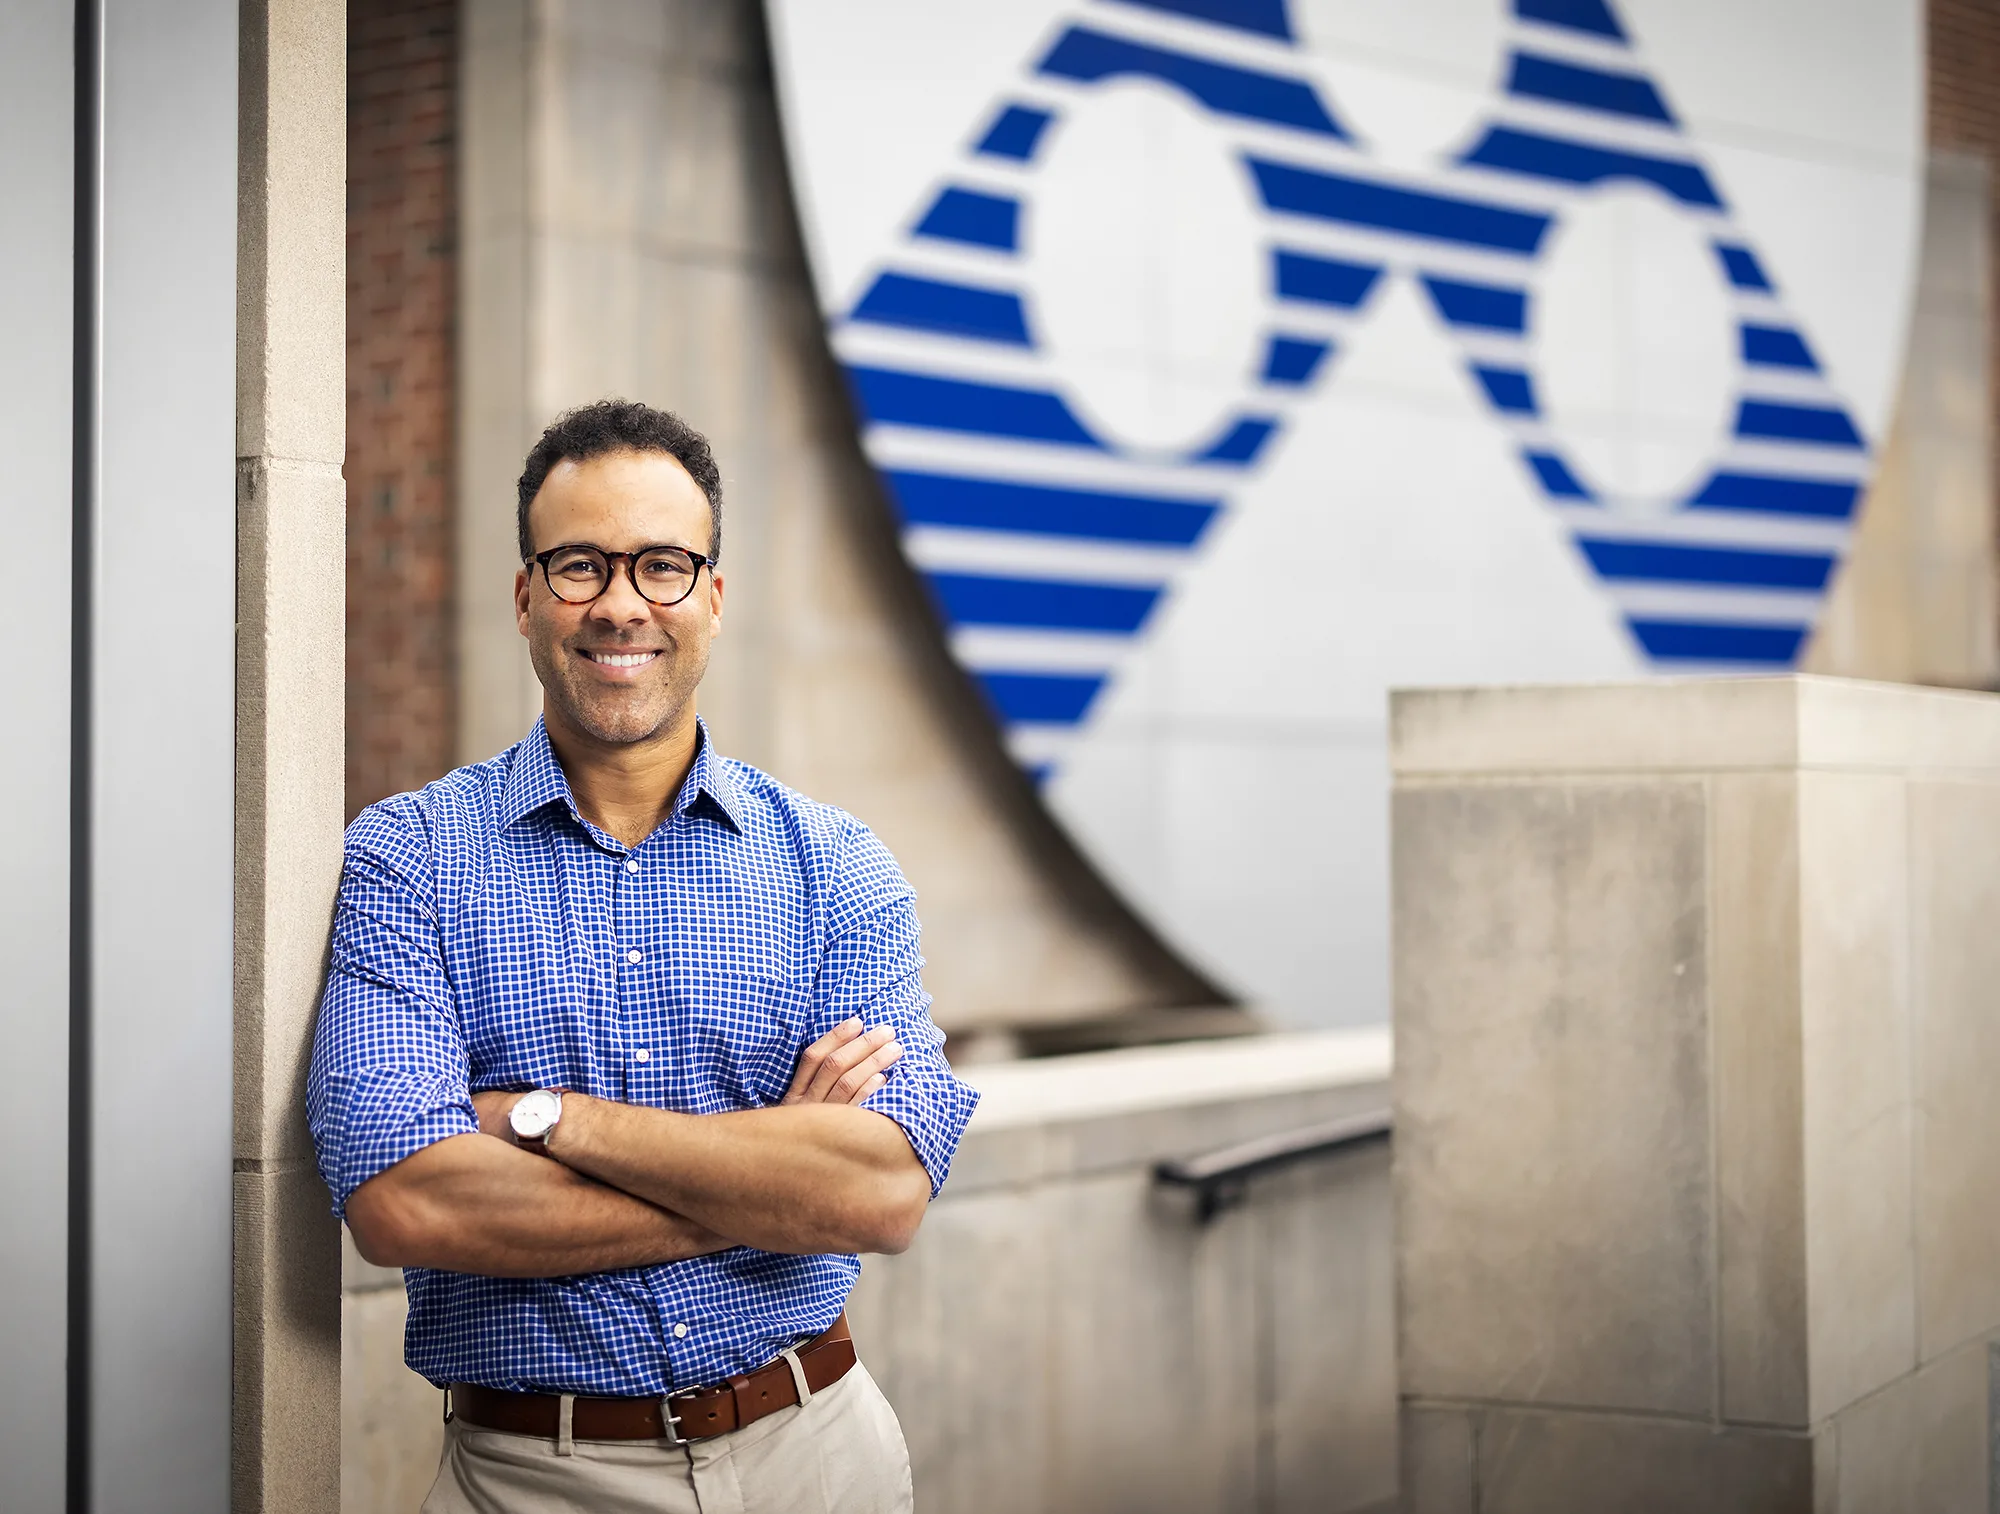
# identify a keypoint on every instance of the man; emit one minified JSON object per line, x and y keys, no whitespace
{"x":624,"y":1053}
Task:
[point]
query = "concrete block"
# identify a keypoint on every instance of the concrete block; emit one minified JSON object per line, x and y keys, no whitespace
{"x":1914,"y":601}
{"x":496,"y":362}
{"x":1437,"y":1459}
{"x":713,"y":38}
{"x":1877,"y":1456}
{"x":290,"y":669}
{"x":950,"y":1329}
{"x":1691,"y":726}
{"x":1842,"y":906}
{"x":1759,"y":1098}
{"x":286,"y":1341}
{"x":1061,"y":1149}
{"x":1953,"y":274}
{"x":1954,"y":841}
{"x":1332,"y":1334}
{"x":391,"y":1420}
{"x":705,"y":350}
{"x":1856,"y":1048}
{"x":638,"y":31}
{"x":1179,"y":1430}
{"x":1552,"y":1150}
{"x":1556,"y":1463}
{"x":1954,"y":1431}
{"x":291,"y":252}
{"x":657,"y":151}
{"x":1885,"y":727}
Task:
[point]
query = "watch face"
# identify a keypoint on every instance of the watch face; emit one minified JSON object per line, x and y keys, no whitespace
{"x":534,"y":1114}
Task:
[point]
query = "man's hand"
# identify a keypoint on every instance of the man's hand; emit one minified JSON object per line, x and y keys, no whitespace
{"x":844,"y":1066}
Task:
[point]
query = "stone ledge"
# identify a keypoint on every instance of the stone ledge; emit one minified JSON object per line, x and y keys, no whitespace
{"x":1680,"y":726}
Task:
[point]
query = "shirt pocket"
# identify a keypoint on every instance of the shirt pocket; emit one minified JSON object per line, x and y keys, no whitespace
{"x":736,"y":1037}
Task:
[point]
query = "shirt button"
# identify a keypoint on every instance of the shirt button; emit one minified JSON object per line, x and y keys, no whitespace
{"x":631,"y":866}
{"x":634,"y":955}
{"x":680,"y":1332}
{"x":643,"y":1055}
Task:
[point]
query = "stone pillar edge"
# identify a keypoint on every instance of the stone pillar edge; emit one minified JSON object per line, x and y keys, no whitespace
{"x":290,"y":715}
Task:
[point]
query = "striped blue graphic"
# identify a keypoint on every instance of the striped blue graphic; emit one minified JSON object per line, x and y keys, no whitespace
{"x":1048,"y":547}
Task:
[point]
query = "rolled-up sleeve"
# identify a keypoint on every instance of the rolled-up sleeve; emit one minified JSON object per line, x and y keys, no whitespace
{"x":389,"y":1070}
{"x":872,"y":968}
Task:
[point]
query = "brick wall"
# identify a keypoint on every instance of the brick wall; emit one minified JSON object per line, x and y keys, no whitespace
{"x":402,"y":221}
{"x":1965,"y":117}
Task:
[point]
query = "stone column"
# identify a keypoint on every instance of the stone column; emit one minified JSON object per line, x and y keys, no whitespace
{"x":291,"y":526}
{"x":1696,"y":1149}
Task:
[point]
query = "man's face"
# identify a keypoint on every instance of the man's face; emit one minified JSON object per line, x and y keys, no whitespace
{"x":621,"y":502}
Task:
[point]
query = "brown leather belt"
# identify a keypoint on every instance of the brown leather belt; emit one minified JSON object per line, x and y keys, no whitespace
{"x":692,"y":1414}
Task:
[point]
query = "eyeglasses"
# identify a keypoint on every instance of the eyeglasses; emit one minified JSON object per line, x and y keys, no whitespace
{"x":577,"y":573}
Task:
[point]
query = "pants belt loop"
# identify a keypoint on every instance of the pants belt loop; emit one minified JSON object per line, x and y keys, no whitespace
{"x":798,"y":1375}
{"x":565,"y":1418}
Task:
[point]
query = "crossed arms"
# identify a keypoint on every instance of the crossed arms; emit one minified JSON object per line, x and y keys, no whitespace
{"x":633,"y":1186}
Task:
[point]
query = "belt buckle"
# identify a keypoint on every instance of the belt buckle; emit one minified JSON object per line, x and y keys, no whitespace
{"x":667,"y":1419}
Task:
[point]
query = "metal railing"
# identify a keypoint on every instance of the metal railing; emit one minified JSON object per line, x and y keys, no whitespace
{"x":1220,"y":1179}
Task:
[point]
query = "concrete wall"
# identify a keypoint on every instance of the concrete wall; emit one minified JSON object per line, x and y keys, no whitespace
{"x":1695,"y":1144}
{"x":1916,"y":600}
{"x":1061,"y":1341}
{"x":626,"y":228}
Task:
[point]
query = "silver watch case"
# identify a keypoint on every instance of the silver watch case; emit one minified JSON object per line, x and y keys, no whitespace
{"x":535,"y":1114}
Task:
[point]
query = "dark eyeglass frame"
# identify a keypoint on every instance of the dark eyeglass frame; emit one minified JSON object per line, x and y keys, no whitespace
{"x":631,"y":561}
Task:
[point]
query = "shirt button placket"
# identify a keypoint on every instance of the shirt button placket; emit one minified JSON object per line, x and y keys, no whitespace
{"x":627,"y":912}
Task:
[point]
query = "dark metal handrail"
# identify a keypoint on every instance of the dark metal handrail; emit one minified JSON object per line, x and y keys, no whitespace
{"x":1217,"y":1179}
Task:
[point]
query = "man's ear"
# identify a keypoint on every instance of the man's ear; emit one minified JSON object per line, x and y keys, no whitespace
{"x":522,"y":584}
{"x":714,"y":602}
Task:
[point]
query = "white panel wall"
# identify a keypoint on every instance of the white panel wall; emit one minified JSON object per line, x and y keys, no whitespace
{"x":162,"y":669}
{"x":36,"y":172}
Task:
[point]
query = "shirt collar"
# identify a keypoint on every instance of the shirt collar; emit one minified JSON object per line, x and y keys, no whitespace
{"x":537,"y":781}
{"x":708,"y":781}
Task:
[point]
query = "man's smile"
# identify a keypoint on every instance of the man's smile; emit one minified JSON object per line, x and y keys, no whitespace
{"x":619,"y":659}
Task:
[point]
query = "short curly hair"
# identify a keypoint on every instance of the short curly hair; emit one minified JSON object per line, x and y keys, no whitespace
{"x":620,"y":426}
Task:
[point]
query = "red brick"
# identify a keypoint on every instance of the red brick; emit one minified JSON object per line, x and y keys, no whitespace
{"x":402,"y":225}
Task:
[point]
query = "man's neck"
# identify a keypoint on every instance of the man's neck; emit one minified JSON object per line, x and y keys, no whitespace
{"x":626,"y":788}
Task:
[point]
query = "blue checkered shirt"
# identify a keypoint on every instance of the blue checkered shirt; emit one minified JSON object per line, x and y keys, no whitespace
{"x":487,"y":936}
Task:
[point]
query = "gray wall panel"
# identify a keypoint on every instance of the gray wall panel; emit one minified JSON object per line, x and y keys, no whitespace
{"x":36,"y":174}
{"x":162,"y":717}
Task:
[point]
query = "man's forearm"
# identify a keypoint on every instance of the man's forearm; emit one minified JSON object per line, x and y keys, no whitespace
{"x":476,"y":1204}
{"x":794,"y":1178}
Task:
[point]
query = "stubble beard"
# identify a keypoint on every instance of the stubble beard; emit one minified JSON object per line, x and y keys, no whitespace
{"x":619,"y":717}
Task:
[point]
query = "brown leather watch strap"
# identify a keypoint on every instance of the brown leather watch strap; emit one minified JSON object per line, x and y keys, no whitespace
{"x":697,"y":1413}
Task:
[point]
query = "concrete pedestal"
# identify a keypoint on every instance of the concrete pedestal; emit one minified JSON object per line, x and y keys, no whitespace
{"x":1697,"y":1145}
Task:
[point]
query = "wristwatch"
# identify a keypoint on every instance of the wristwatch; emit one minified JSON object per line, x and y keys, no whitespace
{"x":533,"y":1116}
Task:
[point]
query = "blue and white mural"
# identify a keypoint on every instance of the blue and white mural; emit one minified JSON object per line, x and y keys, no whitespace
{"x":1232,"y":361}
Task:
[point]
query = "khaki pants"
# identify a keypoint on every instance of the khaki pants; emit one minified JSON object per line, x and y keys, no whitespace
{"x":843,"y":1453}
